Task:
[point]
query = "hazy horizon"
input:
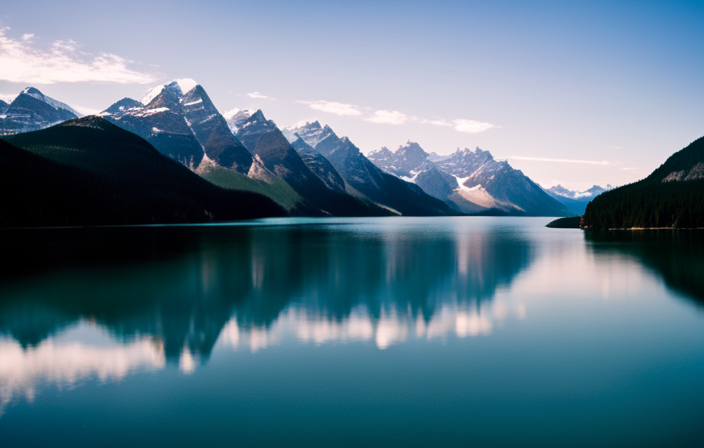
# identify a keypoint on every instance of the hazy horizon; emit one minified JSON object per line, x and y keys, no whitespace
{"x":570,"y":94}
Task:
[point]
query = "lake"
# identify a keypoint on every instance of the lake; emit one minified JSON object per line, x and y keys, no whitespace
{"x":352,"y":332}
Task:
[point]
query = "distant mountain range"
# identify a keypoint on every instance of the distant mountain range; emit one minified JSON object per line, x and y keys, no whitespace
{"x":361,"y":177}
{"x":469,"y":181}
{"x":308,"y":170}
{"x":671,"y":197}
{"x":576,"y":201}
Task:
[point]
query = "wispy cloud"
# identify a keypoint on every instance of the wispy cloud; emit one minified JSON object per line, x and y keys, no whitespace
{"x":394,"y":117}
{"x":551,"y":160}
{"x":332,"y":107}
{"x":630,"y":168}
{"x":387,"y":117}
{"x":440,"y":122}
{"x":259,"y":95}
{"x":21,"y":60}
{"x":472,"y":126}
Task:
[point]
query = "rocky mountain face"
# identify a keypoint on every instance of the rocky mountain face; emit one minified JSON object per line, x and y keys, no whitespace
{"x":319,"y":165}
{"x":277,"y":154}
{"x":184,"y":126}
{"x":364,"y":179}
{"x":236,"y":117}
{"x":250,"y":130}
{"x":469,"y":181}
{"x":212,"y":132}
{"x":31,"y":111}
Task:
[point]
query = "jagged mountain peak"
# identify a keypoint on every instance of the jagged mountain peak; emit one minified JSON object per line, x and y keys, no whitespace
{"x":381,"y":153}
{"x":258,"y":116}
{"x":311,"y":132}
{"x":36,"y":94}
{"x":178,"y":87}
{"x":32,"y":91}
{"x":590,"y":193}
{"x":167,"y":98}
{"x":31,"y":110}
{"x":236,"y":118}
{"x":122,"y":106}
{"x":412,"y":150}
{"x":252,"y":128}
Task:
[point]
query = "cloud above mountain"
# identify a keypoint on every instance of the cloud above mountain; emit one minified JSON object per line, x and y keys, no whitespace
{"x":472,"y":126}
{"x":394,"y":117}
{"x":388,"y":117}
{"x":259,"y":96}
{"x":24,"y":60}
{"x":332,"y":107}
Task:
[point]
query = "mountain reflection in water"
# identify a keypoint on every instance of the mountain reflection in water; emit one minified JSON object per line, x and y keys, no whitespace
{"x":166,"y":295}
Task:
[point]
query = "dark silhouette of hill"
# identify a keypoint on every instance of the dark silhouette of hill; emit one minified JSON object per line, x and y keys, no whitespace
{"x":90,"y":172}
{"x":672,"y":196}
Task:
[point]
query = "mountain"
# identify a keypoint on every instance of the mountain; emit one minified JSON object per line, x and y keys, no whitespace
{"x":183,"y":125}
{"x":277,"y":155}
{"x":589,"y":194}
{"x":187,"y":127}
{"x":576,"y":201}
{"x":32,"y":110}
{"x":90,"y":172}
{"x":249,"y":127}
{"x":364,"y":179}
{"x":435,"y":157}
{"x":212,"y":132}
{"x":319,"y":165}
{"x":469,"y":181}
{"x":236,"y":117}
{"x":672,"y":196}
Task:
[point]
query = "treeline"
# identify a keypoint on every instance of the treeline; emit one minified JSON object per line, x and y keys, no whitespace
{"x":648,"y":204}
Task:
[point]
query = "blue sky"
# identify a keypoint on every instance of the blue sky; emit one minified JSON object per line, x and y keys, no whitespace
{"x":577,"y":93}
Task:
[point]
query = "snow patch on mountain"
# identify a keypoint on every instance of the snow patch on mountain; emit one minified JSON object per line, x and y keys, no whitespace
{"x":178,"y":87}
{"x":236,"y":118}
{"x":311,"y":132}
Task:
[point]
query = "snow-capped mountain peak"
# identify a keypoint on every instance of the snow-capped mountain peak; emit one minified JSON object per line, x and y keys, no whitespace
{"x":32,"y":110}
{"x":592,"y":192}
{"x":311,"y":132}
{"x":178,"y":87}
{"x":236,"y":118}
{"x":36,"y":94}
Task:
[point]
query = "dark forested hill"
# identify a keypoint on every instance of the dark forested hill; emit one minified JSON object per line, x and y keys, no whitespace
{"x":90,"y":172}
{"x":672,"y":196}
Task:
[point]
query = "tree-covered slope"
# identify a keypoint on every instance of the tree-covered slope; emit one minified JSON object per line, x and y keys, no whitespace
{"x":90,"y":172}
{"x":672,"y":196}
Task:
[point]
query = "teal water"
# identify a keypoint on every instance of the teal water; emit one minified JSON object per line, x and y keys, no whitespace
{"x":352,"y":332}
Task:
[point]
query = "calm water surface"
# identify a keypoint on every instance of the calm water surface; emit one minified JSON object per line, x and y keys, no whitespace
{"x":352,"y":332}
